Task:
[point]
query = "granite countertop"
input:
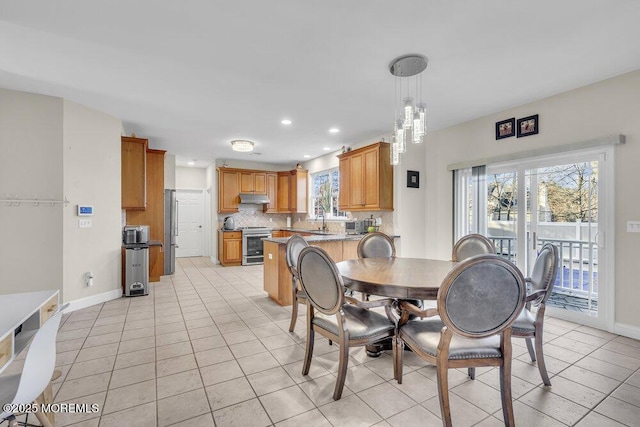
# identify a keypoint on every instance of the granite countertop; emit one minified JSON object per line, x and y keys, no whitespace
{"x":321,"y":237}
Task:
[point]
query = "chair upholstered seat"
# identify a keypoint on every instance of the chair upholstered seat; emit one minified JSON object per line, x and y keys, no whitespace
{"x":524,"y":323}
{"x":361,"y":323}
{"x":425,"y":335}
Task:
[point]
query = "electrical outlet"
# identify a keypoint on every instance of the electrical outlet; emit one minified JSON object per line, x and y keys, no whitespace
{"x":270,"y":256}
{"x":633,"y":226}
{"x":84,"y":223}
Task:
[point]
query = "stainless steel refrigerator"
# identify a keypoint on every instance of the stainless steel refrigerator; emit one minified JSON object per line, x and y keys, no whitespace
{"x":170,"y":230}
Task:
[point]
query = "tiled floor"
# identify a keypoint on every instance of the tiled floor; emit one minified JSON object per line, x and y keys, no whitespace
{"x":208,"y":346}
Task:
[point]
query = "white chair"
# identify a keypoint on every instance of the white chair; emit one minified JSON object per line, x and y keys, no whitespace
{"x":25,"y":387}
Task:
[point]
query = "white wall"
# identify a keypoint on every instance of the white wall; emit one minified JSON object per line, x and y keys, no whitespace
{"x":170,"y":171}
{"x":211,"y":184}
{"x":91,"y":160}
{"x":191,"y":178}
{"x":30,"y":165}
{"x":606,"y":108}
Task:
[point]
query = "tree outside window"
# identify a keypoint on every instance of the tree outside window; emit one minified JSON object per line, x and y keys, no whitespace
{"x":325,"y":190}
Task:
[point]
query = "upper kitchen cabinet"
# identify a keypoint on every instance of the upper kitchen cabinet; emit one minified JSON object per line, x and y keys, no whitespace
{"x":366,"y":179}
{"x":228,"y":190}
{"x":253,"y":182}
{"x":134,"y":172}
{"x":292,"y":191}
{"x":272,"y":192}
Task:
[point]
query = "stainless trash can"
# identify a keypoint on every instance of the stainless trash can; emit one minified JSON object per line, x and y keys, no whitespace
{"x":136,"y":280}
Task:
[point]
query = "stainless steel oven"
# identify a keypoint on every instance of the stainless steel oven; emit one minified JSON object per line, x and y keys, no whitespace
{"x":252,"y":244}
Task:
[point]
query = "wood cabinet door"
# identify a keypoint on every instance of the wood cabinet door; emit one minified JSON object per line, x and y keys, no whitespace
{"x":371,"y":180}
{"x":246,"y":182}
{"x":272,"y":192}
{"x":299,"y":191}
{"x":356,"y":184}
{"x":133,"y":173}
{"x":232,"y":250}
{"x":344,"y":172}
{"x":228,"y":189}
{"x":260,"y":183}
{"x":283,"y":192}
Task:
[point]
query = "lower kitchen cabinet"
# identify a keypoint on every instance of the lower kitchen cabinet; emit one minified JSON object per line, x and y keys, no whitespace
{"x":230,"y":248}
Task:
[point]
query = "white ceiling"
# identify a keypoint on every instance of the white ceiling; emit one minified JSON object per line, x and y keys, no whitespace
{"x":193,"y":75}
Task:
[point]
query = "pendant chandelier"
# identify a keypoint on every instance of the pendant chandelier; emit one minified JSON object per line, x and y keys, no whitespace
{"x":411,"y":118}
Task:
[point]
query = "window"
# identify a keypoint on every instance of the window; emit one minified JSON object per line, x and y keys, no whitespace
{"x":325,"y":190}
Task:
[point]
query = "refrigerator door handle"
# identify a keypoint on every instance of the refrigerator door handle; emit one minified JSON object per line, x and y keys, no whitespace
{"x":176,"y":212}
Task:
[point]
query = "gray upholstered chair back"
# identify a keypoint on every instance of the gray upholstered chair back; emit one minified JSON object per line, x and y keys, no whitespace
{"x":481,"y":296}
{"x":376,"y":245}
{"x":295,"y":245}
{"x":544,"y":272}
{"x":320,"y":280}
{"x":472,"y":245}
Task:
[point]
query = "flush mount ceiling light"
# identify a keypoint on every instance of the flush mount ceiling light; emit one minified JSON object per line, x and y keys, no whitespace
{"x":334,"y":130}
{"x":191,"y":163}
{"x":286,"y":122}
{"x":327,"y":148}
{"x":411,"y":124}
{"x":242,"y":145}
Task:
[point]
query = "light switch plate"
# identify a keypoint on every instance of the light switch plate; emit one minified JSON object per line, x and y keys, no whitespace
{"x":633,"y":226}
{"x":84,"y":223}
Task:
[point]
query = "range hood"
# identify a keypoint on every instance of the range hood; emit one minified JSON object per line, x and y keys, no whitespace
{"x":254,"y":199}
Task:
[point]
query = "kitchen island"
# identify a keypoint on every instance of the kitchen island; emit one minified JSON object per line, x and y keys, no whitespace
{"x":277,"y":278}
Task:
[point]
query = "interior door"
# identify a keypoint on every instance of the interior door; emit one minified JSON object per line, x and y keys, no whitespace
{"x":190,"y":223}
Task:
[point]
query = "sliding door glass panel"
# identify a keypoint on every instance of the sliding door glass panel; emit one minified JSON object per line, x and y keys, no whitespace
{"x":502,"y":211}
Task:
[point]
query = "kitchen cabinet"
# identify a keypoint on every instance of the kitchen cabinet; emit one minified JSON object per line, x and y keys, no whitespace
{"x":228,"y":190}
{"x":272,"y":192}
{"x":292,"y":191}
{"x":366,"y":179}
{"x":230,"y":248}
{"x":253,"y":182}
{"x":153,"y":215}
{"x":133,"y":172}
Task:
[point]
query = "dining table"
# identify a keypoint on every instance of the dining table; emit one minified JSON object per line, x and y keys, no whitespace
{"x":394,"y":277}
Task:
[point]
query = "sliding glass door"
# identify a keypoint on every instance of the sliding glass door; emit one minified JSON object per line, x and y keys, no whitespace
{"x":562,"y":200}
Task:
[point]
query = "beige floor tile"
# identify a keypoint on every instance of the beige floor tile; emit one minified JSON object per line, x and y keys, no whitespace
{"x":360,"y":378}
{"x":70,"y":345}
{"x":216,"y":355}
{"x":107,"y":329}
{"x":135,"y":358}
{"x":416,"y":386}
{"x":410,"y":416}
{"x":208,"y":343}
{"x":248,"y":413}
{"x":98,"y":340}
{"x":102,"y":321}
{"x":83,"y":386}
{"x":590,"y":379}
{"x":604,"y":368}
{"x":616,"y":358}
{"x":594,"y":419}
{"x":174,"y":365}
{"x":229,"y":393}
{"x":132,"y":375}
{"x":270,"y":380}
{"x":130,"y":396}
{"x":173,"y":350}
{"x":68,"y":418}
{"x":247,"y":348}
{"x":479,"y":394}
{"x":527,"y":416}
{"x":73,"y":334}
{"x":350,"y":411}
{"x":179,"y":383}
{"x":203,"y":332}
{"x":239,"y":337}
{"x":312,"y":418}
{"x":519,"y":386}
{"x":257,"y":362}
{"x":628,"y":393}
{"x":137,"y":344}
{"x":205,"y":420}
{"x":199,"y":323}
{"x":286,"y":403}
{"x":138,"y":324}
{"x":575,"y":392}
{"x":386,"y":400}
{"x":220,"y":372}
{"x":175,"y":409}
{"x":619,"y":411}
{"x":135,"y":334}
{"x":634,"y":379}
{"x":142,"y":415}
{"x":170,"y":328}
{"x":463,"y":413}
{"x":554,"y":405}
{"x":172,"y":338}
{"x":91,"y":367}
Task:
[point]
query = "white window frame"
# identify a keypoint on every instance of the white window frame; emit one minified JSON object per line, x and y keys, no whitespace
{"x":312,"y":197}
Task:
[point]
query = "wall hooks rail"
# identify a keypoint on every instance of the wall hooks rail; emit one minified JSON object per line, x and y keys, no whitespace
{"x":15,"y":201}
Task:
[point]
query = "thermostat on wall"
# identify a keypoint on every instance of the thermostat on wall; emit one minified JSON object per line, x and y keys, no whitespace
{"x":84,"y":210}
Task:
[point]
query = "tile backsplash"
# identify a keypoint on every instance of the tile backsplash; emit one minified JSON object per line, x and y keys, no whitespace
{"x":248,"y":217}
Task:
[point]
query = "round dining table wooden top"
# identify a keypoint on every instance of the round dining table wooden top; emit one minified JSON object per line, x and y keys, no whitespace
{"x":404,"y":278}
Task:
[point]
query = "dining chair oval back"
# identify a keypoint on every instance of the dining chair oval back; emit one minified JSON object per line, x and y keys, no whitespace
{"x":321,"y":280}
{"x":376,"y":245}
{"x":544,"y":273}
{"x":481,"y":296}
{"x":295,"y":245}
{"x":472,"y":245}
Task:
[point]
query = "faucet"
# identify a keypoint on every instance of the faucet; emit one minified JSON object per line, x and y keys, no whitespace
{"x":324,"y":226}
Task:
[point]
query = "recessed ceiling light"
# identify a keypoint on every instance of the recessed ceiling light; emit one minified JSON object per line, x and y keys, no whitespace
{"x":191,"y":163}
{"x":306,"y":156}
{"x":286,"y":122}
{"x":327,"y":148}
{"x":334,"y":130}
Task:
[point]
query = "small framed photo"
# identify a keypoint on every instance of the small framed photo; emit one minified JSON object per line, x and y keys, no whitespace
{"x":528,"y":126}
{"x":506,"y":128}
{"x":413,"y":179}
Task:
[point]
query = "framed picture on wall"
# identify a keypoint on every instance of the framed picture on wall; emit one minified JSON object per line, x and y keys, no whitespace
{"x":528,"y":126}
{"x":413,"y":179}
{"x":506,"y":128}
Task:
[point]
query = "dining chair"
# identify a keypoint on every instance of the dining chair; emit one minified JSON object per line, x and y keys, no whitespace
{"x":477,"y":302}
{"x":25,"y":387}
{"x":336,"y":316}
{"x":376,"y":245}
{"x":529,"y":325}
{"x":295,"y":244}
{"x":472,"y":245}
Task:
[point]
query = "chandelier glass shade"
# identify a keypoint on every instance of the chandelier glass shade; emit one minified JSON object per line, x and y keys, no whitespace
{"x":411,"y":118}
{"x":242,"y":145}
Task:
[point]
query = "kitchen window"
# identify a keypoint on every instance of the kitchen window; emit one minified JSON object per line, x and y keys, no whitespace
{"x":325,"y":190}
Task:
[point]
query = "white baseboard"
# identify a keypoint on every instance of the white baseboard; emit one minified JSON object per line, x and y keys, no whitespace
{"x":80,"y":303}
{"x":627,"y":330}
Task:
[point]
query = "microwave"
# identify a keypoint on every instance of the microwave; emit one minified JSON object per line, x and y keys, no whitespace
{"x":354,"y":227}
